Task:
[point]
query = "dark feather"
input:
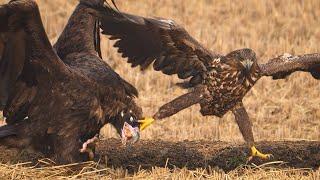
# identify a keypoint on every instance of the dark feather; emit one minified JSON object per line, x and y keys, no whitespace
{"x":97,"y":42}
{"x":315,"y":71}
{"x":7,"y":130}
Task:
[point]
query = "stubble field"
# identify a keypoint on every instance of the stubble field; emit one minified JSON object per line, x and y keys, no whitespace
{"x":280,"y":110}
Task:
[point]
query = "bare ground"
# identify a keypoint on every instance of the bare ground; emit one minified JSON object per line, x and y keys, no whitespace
{"x":201,"y":154}
{"x":192,"y":154}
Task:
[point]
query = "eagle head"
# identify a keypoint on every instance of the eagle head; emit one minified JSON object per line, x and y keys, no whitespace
{"x":247,"y":57}
{"x":247,"y":63}
{"x":129,"y":123}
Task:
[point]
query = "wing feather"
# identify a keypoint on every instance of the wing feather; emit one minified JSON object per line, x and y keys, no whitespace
{"x":155,"y":40}
{"x":11,"y":63}
{"x":26,"y":55}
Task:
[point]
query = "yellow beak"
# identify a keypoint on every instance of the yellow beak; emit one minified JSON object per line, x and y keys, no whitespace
{"x":144,"y":123}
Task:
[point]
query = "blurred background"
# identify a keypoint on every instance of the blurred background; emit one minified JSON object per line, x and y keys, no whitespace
{"x":280,"y":110}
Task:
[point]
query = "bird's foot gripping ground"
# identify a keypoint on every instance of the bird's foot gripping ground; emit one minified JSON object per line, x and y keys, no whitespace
{"x":256,"y":153}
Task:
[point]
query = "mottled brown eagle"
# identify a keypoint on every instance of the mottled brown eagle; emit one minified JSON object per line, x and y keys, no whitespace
{"x":218,"y":82}
{"x":56,"y":99}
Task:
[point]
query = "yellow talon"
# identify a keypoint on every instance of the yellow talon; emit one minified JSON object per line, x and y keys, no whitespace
{"x":256,"y":153}
{"x":144,"y":123}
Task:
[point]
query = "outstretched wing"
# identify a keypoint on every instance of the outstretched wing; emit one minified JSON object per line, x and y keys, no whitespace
{"x":76,"y":46}
{"x":26,"y":56}
{"x":282,"y":66}
{"x":162,"y":41}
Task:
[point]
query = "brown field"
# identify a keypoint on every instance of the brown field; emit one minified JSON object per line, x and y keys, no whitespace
{"x":280,"y":110}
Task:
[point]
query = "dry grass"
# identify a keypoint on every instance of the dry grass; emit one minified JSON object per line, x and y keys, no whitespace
{"x":91,"y":170}
{"x":284,"y":109}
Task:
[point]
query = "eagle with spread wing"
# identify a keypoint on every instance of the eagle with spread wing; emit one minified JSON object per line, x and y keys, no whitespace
{"x":78,"y":47}
{"x":56,"y":99}
{"x":218,"y":82}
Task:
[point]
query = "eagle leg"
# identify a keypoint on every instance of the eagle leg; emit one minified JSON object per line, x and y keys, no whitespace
{"x":182,"y":102}
{"x":89,"y":147}
{"x":245,"y":126}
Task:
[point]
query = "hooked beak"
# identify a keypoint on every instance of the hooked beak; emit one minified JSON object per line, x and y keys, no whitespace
{"x":247,"y":63}
{"x":144,"y":123}
{"x":129,"y":134}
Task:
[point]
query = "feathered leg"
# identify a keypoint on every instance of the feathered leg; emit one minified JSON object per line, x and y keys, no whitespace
{"x":245,"y":127}
{"x":174,"y":106}
{"x":180,"y":103}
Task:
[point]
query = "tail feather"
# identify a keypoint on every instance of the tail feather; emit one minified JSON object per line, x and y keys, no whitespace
{"x":7,"y":130}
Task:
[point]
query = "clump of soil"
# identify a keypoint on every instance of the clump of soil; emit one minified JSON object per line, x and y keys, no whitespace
{"x":191,"y":154}
{"x":201,"y":154}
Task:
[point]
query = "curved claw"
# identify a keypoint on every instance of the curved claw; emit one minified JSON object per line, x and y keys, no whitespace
{"x":144,"y":123}
{"x":257,"y":153}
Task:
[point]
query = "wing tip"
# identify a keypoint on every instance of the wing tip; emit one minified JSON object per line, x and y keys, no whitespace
{"x":315,"y":72}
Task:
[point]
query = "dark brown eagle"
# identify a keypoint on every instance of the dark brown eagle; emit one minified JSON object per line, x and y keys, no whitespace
{"x":56,"y":99}
{"x":218,"y":82}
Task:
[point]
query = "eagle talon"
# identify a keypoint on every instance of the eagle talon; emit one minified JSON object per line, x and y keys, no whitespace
{"x":256,"y":153}
{"x":144,"y":123}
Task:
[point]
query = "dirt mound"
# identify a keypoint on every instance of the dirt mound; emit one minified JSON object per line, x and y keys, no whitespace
{"x":201,"y":154}
{"x":191,"y":154}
